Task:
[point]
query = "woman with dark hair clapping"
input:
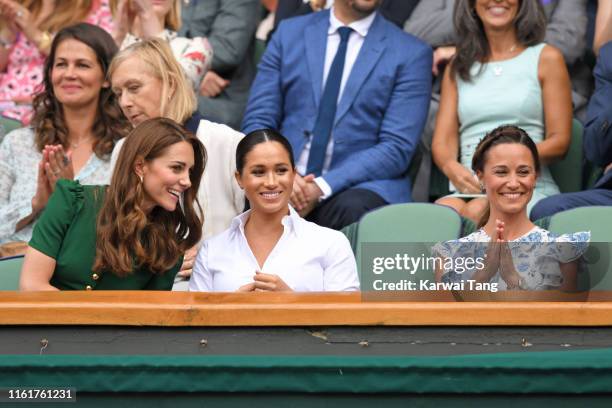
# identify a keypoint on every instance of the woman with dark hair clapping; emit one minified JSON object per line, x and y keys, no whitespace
{"x":516,"y":253}
{"x":501,"y":74}
{"x":131,"y":234}
{"x":76,"y":123}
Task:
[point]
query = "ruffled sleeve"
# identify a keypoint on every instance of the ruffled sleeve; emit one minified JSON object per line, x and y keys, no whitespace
{"x":64,"y":204}
{"x":570,"y":247}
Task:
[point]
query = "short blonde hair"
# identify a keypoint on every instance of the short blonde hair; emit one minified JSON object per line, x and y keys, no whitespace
{"x":178,"y":101}
{"x":172,"y":20}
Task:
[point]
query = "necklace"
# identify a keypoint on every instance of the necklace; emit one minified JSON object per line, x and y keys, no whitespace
{"x":76,"y":145}
{"x":498,"y":70}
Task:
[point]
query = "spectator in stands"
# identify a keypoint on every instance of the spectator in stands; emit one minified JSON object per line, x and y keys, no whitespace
{"x":597,"y":145}
{"x":76,"y":123}
{"x":270,"y":247}
{"x":27,"y":28}
{"x":507,"y":164}
{"x":353,"y":125}
{"x":566,"y":26}
{"x":148,"y":83}
{"x":131,"y":234}
{"x":396,"y":11}
{"x":137,"y":20}
{"x":501,"y":74}
{"x":230,"y":27}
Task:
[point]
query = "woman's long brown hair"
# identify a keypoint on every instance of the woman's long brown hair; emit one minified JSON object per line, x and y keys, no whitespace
{"x":127,"y":237}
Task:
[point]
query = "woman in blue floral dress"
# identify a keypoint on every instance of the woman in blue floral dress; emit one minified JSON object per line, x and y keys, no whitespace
{"x":516,"y":254}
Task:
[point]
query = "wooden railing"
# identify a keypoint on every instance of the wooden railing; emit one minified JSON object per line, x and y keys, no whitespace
{"x":306,"y":309}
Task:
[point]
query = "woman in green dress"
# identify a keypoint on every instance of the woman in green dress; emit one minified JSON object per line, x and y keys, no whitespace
{"x":129,"y":235}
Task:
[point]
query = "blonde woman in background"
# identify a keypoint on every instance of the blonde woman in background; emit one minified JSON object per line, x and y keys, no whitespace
{"x":138,"y":20}
{"x":27,"y":28}
{"x":148,"y":83}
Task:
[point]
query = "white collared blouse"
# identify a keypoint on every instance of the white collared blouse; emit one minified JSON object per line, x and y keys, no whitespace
{"x":307,"y":257}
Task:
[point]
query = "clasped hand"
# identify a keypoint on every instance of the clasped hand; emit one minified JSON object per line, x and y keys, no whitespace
{"x":265,"y":282}
{"x":499,"y":258}
{"x":305,"y":195}
{"x":55,"y":165}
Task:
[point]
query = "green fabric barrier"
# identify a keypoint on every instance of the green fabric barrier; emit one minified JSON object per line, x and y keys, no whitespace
{"x":568,"y":372}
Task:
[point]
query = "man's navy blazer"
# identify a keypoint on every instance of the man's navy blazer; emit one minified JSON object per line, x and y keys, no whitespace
{"x":380,"y":115}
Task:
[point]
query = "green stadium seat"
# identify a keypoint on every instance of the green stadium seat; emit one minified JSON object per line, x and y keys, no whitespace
{"x":10,"y":268}
{"x":417,"y":225}
{"x":598,"y":259}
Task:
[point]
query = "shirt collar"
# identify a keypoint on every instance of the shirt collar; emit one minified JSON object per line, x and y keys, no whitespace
{"x":291,"y":222}
{"x":360,"y":26}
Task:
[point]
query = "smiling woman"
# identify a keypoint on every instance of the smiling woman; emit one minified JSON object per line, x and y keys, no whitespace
{"x":76,"y":123}
{"x":270,"y":247}
{"x":507,"y":165}
{"x":131,"y":234}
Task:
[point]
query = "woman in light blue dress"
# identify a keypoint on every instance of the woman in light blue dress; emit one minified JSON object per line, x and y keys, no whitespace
{"x":514,"y":253}
{"x":502,"y":73}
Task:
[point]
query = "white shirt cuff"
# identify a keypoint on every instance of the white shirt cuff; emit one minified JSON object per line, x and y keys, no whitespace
{"x":325,"y":188}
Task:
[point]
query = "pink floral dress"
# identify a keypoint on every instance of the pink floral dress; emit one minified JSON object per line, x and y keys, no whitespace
{"x":24,"y":72}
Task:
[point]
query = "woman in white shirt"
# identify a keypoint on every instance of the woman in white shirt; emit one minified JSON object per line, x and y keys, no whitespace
{"x":270,"y":247}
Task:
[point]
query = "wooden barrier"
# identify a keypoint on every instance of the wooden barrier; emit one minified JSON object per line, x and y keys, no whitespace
{"x":140,"y":308}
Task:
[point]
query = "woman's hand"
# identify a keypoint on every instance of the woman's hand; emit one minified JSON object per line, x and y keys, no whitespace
{"x":507,"y":270}
{"x":265,"y":282}
{"x":441,"y":56}
{"x":21,"y":18}
{"x":43,"y":190}
{"x":188,"y":260}
{"x":462,"y":178}
{"x":150,"y":25}
{"x":123,"y":19}
{"x":269,"y":282}
{"x":58,"y":164}
{"x":15,"y":13}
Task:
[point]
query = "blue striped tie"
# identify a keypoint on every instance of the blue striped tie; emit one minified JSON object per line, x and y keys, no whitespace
{"x":327,"y":107}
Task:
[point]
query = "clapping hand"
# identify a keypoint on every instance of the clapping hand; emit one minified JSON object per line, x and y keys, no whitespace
{"x":16,"y":14}
{"x":57,"y":164}
{"x":506,"y":264}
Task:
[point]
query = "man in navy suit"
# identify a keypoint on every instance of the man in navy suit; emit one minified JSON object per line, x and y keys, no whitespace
{"x":597,"y":145}
{"x":352,"y":102}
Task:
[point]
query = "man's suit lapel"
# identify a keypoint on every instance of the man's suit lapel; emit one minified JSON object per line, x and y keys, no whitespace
{"x":371,"y":50}
{"x":316,"y":44}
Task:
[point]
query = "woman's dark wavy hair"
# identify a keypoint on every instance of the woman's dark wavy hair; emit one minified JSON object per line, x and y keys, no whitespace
{"x":48,"y":120}
{"x":125,"y":234}
{"x":472,"y":43}
{"x":260,"y":136}
{"x":505,"y":134}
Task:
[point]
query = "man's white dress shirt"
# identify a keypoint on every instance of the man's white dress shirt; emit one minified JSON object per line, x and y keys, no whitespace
{"x":307,"y":257}
{"x":356,"y":39}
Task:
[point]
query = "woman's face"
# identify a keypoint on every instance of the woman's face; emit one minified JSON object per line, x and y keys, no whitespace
{"x":76,"y":75}
{"x":167,"y":177}
{"x":267,"y":178}
{"x":138,"y":92}
{"x":509,"y":177}
{"x":162,"y":7}
{"x":497,"y":14}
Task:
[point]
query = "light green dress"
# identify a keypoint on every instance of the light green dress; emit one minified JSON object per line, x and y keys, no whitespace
{"x":504,"y":93}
